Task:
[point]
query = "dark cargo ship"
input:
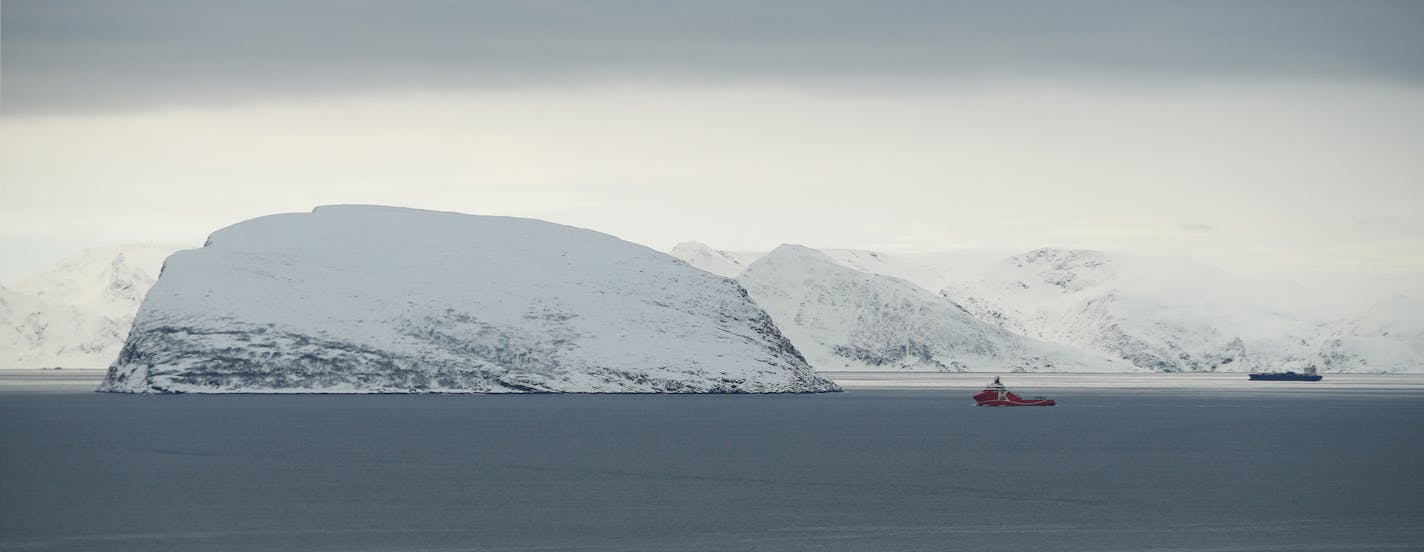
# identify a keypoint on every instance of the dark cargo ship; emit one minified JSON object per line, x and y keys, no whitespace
{"x":1309,"y":375}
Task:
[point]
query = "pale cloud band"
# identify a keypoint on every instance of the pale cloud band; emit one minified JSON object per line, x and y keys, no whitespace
{"x":1256,"y":133}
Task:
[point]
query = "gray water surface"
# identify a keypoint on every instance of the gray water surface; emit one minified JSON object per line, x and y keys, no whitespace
{"x":860,"y":470}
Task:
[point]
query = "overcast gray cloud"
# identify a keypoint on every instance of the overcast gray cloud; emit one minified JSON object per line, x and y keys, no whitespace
{"x":99,"y":55}
{"x":1282,"y":137}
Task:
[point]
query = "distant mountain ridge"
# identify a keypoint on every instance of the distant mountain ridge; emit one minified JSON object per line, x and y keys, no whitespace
{"x":1165,"y":315}
{"x":727,"y":264}
{"x":1181,"y":319}
{"x":844,"y":319}
{"x":77,"y":313}
{"x":1387,"y":336}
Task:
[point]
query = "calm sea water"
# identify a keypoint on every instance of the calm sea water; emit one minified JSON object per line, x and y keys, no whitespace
{"x":878,"y":467}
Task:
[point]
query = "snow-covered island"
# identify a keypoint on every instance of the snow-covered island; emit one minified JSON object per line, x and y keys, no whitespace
{"x":362,"y":299}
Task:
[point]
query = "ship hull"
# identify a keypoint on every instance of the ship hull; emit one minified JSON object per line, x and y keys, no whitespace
{"x":1286,"y":376}
{"x":990,"y":397}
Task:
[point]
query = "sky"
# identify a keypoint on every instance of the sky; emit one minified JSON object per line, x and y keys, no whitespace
{"x":1277,"y":138}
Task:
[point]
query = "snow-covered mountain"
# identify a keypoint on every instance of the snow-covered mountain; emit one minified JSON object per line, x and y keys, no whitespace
{"x":77,"y":314}
{"x":1149,"y":313}
{"x":925,"y":275}
{"x":380,"y":299}
{"x":1386,"y":337}
{"x":930,"y":270}
{"x":722,"y":263}
{"x":1166,"y":316}
{"x":845,"y":319}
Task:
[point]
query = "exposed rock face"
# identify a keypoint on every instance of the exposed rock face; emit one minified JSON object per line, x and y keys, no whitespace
{"x":845,"y":319}
{"x":355,"y":299}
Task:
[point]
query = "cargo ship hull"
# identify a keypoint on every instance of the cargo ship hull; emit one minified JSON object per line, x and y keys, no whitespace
{"x":1285,"y":376}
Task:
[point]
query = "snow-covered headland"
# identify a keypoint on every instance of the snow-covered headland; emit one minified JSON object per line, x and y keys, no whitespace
{"x":360,"y":299}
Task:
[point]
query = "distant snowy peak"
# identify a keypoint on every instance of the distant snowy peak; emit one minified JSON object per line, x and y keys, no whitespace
{"x":929,"y":276}
{"x":1062,"y":270}
{"x":77,"y":314}
{"x":846,"y":319}
{"x":1007,"y":293}
{"x":722,"y":263}
{"x":1165,"y":315}
{"x":932,"y":270}
{"x":1397,"y":315}
{"x":924,"y":275}
{"x":788,"y":254}
{"x":1386,"y":337}
{"x":107,"y":278}
{"x":367,"y":299}
{"x":128,"y":283}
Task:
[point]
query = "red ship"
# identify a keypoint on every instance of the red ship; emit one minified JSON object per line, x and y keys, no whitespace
{"x":996,"y":395}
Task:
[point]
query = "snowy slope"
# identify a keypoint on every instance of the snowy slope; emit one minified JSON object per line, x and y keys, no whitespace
{"x":1161,"y":315}
{"x":112,"y":279}
{"x":921,"y":274}
{"x":379,"y":299}
{"x":722,"y":263}
{"x":845,"y":319}
{"x":77,"y":314}
{"x":1385,"y":337}
{"x":932,"y":270}
{"x":929,"y":270}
